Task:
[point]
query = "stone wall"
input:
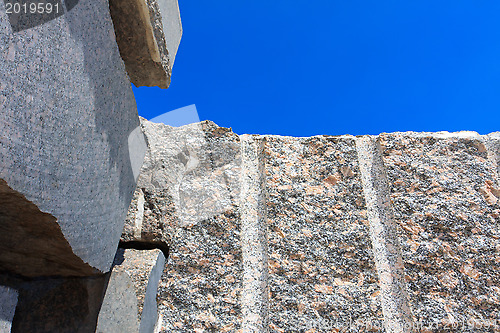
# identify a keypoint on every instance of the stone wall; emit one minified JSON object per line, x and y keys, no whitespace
{"x":389,"y":233}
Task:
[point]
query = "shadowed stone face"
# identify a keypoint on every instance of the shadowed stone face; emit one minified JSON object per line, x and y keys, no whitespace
{"x":56,"y":304}
{"x":32,"y":241}
{"x":31,"y":13}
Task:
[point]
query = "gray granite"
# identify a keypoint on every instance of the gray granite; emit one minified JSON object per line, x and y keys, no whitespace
{"x":8,"y":303}
{"x":67,"y":115}
{"x":119,"y":307}
{"x":148,"y":33}
{"x":150,"y":319}
{"x":24,"y":20}
{"x":144,"y":268}
{"x":32,"y":242}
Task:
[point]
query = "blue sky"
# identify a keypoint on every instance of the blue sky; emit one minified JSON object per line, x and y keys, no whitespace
{"x":335,"y":67}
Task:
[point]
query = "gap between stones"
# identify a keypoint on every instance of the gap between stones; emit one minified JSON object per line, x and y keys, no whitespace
{"x":145,"y":245}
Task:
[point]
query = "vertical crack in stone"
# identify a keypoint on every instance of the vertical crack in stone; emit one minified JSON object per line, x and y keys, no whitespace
{"x":31,"y":241}
{"x":254,"y":296}
{"x":386,"y":248}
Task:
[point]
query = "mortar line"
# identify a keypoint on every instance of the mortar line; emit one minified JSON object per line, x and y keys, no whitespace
{"x":254,"y":295}
{"x":383,"y":234}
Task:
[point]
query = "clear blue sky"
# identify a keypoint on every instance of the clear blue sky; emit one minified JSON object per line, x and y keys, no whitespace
{"x":312,"y":67}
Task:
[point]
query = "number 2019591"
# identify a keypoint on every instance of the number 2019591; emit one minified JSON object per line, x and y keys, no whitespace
{"x":32,"y":8}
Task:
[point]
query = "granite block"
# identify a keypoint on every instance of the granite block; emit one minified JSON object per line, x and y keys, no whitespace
{"x":144,"y":267}
{"x":190,"y":173}
{"x":148,"y":33}
{"x":119,"y":308}
{"x":445,"y":192}
{"x":322,"y":276}
{"x":67,"y":114}
{"x":186,"y":199}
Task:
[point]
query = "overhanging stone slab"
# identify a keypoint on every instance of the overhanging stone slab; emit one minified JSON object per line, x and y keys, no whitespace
{"x":67,"y":114}
{"x":148,"y":33}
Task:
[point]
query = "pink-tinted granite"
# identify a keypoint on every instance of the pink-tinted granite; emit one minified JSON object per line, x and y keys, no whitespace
{"x":322,"y":276}
{"x":445,"y":195}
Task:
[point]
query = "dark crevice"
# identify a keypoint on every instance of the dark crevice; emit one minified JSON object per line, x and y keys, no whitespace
{"x":145,"y":245}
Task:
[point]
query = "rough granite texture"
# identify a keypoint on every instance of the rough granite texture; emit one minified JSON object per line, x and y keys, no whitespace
{"x":200,"y":288}
{"x":322,"y":276}
{"x":148,"y":33}
{"x":445,"y":195}
{"x":391,"y":233}
{"x":189,"y":174}
{"x":67,"y":113}
{"x":385,"y":243}
{"x":144,"y":269}
{"x":119,"y":308}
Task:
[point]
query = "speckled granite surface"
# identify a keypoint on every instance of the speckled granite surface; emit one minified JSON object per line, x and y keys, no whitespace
{"x":201,"y":285}
{"x":189,"y":174}
{"x":321,"y":270}
{"x":445,"y":196}
{"x":393,"y":233}
{"x":385,"y":242}
{"x":67,"y":112}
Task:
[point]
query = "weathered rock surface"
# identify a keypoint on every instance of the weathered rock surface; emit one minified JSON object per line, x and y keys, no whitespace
{"x":119,"y":307}
{"x":67,"y":115}
{"x":189,"y":174}
{"x":130,"y":303}
{"x":148,"y":33}
{"x":394,"y":233}
{"x":322,"y":275}
{"x":445,"y":195}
